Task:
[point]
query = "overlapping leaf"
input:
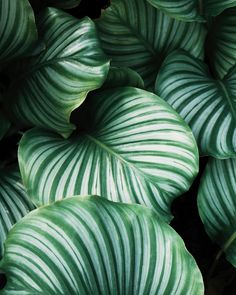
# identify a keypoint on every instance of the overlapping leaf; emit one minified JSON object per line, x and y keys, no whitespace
{"x":118,"y":77}
{"x":137,"y":35}
{"x":49,"y":86}
{"x":221,"y":43}
{"x":17,"y":29}
{"x":65,"y":4}
{"x":14,"y":202}
{"x":137,"y":149}
{"x":207,"y":105}
{"x":217,"y":204}
{"x":94,"y":246}
{"x":192,"y":10}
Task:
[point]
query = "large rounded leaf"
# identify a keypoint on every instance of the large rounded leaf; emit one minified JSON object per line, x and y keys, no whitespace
{"x":49,"y":86}
{"x":137,"y":35}
{"x":137,"y":149}
{"x":94,"y":246}
{"x":118,"y":77}
{"x":217,"y":204}
{"x":17,"y":29}
{"x":207,"y":105}
{"x":186,"y":10}
{"x":221,"y":43}
{"x":14,"y":202}
{"x":192,"y":10}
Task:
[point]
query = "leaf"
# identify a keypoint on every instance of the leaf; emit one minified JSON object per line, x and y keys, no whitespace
{"x":49,"y":87}
{"x":221,"y":43}
{"x":98,"y":247}
{"x":14,"y":202}
{"x":136,"y":150}
{"x":17,"y":29}
{"x":186,"y":10}
{"x":206,"y":104}
{"x":192,"y":10}
{"x":137,"y":35}
{"x":118,"y":77}
{"x":4,"y":125}
{"x":215,"y":7}
{"x":64,"y":4}
{"x":217,"y":204}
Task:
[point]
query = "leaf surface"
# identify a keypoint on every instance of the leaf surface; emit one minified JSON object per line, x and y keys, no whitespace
{"x":93,"y":246}
{"x":48,"y":87}
{"x":217,"y":204}
{"x":137,"y":35}
{"x":18,"y":31}
{"x":221,"y":43}
{"x":136,"y":150}
{"x":206,"y":104}
{"x":14,"y":202}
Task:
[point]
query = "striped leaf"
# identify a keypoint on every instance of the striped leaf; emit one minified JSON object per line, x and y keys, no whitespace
{"x":206,"y":104}
{"x":221,"y":43}
{"x":93,"y":246}
{"x":64,"y":4}
{"x":215,"y":7}
{"x":4,"y":125}
{"x":137,"y":35}
{"x":192,"y":10}
{"x":118,"y":77}
{"x":17,"y":29}
{"x":14,"y":202}
{"x":186,"y":10}
{"x":217,"y":204}
{"x":136,"y":150}
{"x":48,"y":87}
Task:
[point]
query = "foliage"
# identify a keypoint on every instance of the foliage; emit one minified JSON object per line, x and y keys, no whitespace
{"x":100,"y":158}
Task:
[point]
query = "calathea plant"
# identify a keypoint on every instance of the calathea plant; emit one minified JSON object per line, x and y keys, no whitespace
{"x":104,"y":121}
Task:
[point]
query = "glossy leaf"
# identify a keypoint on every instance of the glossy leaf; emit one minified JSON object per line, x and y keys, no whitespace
{"x":186,"y":10}
{"x":50,"y":86}
{"x":14,"y":202}
{"x":137,"y":35}
{"x":93,"y":246}
{"x":215,"y":7}
{"x":221,"y":43}
{"x":4,"y":125}
{"x":217,"y":204}
{"x":64,"y":4}
{"x":118,"y":77}
{"x":192,"y":10}
{"x":17,"y":29}
{"x":136,"y":150}
{"x":206,"y":104}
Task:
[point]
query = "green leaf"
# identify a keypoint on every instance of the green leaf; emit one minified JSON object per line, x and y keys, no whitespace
{"x":47,"y":88}
{"x":118,"y":77}
{"x":17,"y":29}
{"x":221,"y":43}
{"x":206,"y":104}
{"x":192,"y":10}
{"x":93,"y":246}
{"x":217,"y":204}
{"x":64,"y":4}
{"x":4,"y":125}
{"x":14,"y":202}
{"x":136,"y":150}
{"x":215,"y":7}
{"x":137,"y":35}
{"x":186,"y":10}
